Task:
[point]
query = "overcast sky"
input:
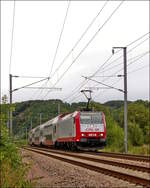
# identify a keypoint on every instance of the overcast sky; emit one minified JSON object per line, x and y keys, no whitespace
{"x":37,"y":30}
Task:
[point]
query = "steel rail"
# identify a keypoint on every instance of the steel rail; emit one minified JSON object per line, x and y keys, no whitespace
{"x":117,"y":155}
{"x":104,"y":161}
{"x":122,"y":156}
{"x":127,"y":177}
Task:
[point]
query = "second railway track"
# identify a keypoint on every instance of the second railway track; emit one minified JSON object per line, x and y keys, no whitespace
{"x":123,"y":156}
{"x":100,"y":165}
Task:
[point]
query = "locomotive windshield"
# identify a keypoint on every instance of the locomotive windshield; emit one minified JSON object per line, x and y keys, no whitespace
{"x":93,"y":118}
{"x":96,"y":119}
{"x":91,"y":122}
{"x":85,"y":119}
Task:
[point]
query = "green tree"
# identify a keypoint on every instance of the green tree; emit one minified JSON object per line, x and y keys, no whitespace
{"x":4,"y":99}
{"x":137,"y":113}
{"x":147,"y":134}
{"x":13,"y":170}
{"x":100,"y":107}
{"x":115,"y":135}
{"x":135,"y":134}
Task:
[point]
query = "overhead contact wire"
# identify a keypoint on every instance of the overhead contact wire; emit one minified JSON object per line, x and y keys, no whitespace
{"x":104,"y":69}
{"x":58,"y":44}
{"x":60,"y":37}
{"x":12,"y":36}
{"x":114,"y":60}
{"x":142,"y":55}
{"x":81,"y":37}
{"x":88,"y":43}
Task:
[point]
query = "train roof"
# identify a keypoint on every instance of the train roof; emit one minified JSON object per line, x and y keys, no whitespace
{"x":91,"y":112}
{"x":60,"y":117}
{"x":67,"y":116}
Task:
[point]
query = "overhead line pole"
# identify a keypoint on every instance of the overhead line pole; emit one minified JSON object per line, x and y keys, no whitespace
{"x":40,"y":118}
{"x":112,"y":61}
{"x":10,"y":98}
{"x":58,"y":108}
{"x":10,"y":106}
{"x":125,"y":98}
{"x":31,"y":124}
{"x":124,"y":91}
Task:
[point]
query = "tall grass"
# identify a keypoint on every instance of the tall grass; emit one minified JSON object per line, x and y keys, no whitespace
{"x":139,"y":150}
{"x":13,"y":170}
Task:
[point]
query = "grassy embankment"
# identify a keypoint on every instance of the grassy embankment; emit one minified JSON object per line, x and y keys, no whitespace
{"x":137,"y":150}
{"x":13,"y":170}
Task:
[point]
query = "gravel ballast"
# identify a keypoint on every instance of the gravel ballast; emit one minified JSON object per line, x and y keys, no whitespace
{"x":49,"y":172}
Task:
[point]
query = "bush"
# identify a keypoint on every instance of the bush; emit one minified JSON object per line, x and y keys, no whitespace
{"x":147,"y":134}
{"x":13,"y":170}
{"x":115,"y":136}
{"x":135,"y":134}
{"x":140,"y":150}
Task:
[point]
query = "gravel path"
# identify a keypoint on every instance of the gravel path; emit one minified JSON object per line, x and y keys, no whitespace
{"x":52,"y":173}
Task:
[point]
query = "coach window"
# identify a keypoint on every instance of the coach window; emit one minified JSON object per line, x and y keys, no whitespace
{"x":41,"y":133}
{"x":55,"y":129}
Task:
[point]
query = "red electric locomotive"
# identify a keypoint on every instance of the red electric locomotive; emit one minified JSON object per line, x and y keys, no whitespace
{"x":78,"y":130}
{"x":82,"y":130}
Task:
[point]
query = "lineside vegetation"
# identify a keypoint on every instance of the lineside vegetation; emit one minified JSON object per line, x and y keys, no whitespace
{"x":13,"y":170}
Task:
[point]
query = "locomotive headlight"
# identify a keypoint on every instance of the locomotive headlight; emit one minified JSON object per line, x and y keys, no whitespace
{"x":82,"y":134}
{"x":101,"y":134}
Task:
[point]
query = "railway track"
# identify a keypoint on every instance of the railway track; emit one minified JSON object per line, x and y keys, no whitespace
{"x":122,"y":156}
{"x":115,"y":155}
{"x":99,"y":160}
{"x":108,"y":167}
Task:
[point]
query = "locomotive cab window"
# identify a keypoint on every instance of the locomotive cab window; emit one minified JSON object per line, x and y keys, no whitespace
{"x":91,"y":119}
{"x":91,"y":122}
{"x":85,"y":119}
{"x":97,"y":119}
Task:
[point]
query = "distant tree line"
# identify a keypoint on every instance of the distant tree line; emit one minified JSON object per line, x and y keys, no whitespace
{"x":27,"y":115}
